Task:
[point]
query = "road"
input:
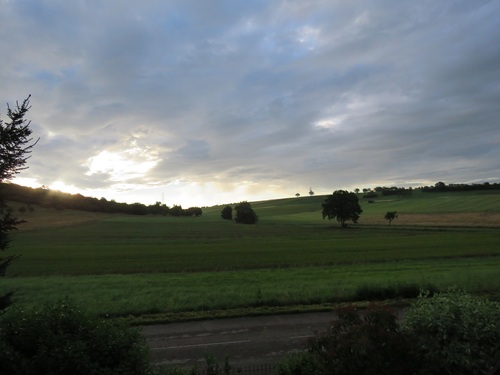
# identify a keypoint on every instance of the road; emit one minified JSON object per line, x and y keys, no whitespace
{"x":246,"y":340}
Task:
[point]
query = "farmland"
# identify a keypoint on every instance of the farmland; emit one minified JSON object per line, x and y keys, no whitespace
{"x":122,"y":264}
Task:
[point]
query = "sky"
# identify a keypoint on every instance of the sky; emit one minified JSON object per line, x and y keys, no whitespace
{"x":212,"y":102}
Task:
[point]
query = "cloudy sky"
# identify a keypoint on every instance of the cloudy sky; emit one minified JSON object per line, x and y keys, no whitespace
{"x":204,"y":102}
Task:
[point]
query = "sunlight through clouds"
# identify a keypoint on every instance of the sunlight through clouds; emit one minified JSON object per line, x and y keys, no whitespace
{"x":122,"y":166}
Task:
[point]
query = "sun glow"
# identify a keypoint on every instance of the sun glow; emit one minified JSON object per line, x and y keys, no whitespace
{"x":122,"y":166}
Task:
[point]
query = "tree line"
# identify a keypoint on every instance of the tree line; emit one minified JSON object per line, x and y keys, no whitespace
{"x":48,"y":198}
{"x":442,"y":187}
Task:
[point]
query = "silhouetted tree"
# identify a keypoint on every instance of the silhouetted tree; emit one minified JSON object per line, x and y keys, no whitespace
{"x":391,"y":215}
{"x":297,"y":195}
{"x":227,"y":213}
{"x":245,"y":214}
{"x":343,"y":206}
{"x":15,"y":147}
{"x":311,"y":192}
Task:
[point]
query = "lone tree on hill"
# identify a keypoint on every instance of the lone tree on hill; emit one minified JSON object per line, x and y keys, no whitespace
{"x":227,"y":213}
{"x":245,"y":214}
{"x":391,"y":215}
{"x":15,"y":147}
{"x":343,"y":206}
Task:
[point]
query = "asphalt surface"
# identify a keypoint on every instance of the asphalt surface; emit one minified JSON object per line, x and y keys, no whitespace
{"x":245,"y":341}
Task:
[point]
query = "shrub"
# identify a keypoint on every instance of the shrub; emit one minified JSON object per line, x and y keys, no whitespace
{"x":245,"y":214}
{"x":363,"y":343}
{"x":227,"y":213}
{"x":60,"y":339}
{"x":455,"y":332}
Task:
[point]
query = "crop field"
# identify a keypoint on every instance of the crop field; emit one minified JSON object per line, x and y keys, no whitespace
{"x":134,"y":265}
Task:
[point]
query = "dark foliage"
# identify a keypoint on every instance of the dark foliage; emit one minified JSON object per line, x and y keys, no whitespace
{"x":227,"y":213}
{"x":343,"y":206}
{"x":391,"y":215}
{"x":60,"y":339}
{"x":245,"y":214}
{"x":441,"y":187}
{"x":55,"y":199}
{"x":367,"y":342}
{"x":15,"y":147}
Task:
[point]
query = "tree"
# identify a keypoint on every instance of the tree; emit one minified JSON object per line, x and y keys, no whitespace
{"x":227,"y":213}
{"x":343,"y":206}
{"x":391,"y":215}
{"x":245,"y":214}
{"x":15,"y":149}
{"x":297,"y":195}
{"x":311,"y":192}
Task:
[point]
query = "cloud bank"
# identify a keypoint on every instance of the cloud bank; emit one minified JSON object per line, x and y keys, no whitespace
{"x":197,"y":103}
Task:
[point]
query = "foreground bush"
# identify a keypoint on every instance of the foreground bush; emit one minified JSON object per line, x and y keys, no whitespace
{"x":448,"y":333}
{"x":60,"y":339}
{"x":357,"y":343}
{"x":456,"y":333}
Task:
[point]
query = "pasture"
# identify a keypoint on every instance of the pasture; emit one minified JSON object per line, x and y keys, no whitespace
{"x":134,"y":265}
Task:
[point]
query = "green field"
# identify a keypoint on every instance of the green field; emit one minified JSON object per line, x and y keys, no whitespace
{"x":120,"y":265}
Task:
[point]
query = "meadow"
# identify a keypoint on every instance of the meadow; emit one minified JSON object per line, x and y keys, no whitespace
{"x":123,"y":265}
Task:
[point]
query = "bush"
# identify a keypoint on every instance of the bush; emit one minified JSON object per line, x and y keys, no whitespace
{"x":60,"y":339}
{"x":227,"y":213}
{"x":455,"y":332}
{"x":245,"y":214}
{"x":367,"y":342}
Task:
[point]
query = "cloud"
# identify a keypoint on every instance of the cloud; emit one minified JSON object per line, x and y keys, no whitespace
{"x":239,"y":97}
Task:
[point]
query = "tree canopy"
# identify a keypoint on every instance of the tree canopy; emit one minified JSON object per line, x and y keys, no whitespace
{"x":343,"y":206}
{"x":245,"y":214}
{"x":227,"y":213}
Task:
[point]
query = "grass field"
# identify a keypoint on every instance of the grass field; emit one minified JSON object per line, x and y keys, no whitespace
{"x":119,"y":265}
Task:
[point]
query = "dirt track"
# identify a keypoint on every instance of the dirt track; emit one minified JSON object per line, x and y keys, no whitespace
{"x":245,"y":340}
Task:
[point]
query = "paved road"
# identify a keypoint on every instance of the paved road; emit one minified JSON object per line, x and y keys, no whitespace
{"x":245,"y":340}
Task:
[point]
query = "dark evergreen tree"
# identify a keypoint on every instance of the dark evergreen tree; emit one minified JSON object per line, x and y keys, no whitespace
{"x":15,"y":147}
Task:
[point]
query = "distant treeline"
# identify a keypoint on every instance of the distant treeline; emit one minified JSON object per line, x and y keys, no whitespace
{"x":438,"y":187}
{"x":442,"y":187}
{"x":55,"y":199}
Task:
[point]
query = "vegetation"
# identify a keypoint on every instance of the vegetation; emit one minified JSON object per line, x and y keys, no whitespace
{"x":176,"y":267}
{"x":47,"y":198}
{"x":163,"y":268}
{"x":227,"y":213}
{"x":455,"y":333}
{"x":245,"y":213}
{"x":15,"y":147}
{"x":60,"y":339}
{"x":390,"y":216}
{"x":448,"y":333}
{"x":343,"y":206}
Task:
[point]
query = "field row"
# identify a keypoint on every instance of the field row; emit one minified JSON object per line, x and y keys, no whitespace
{"x":180,"y":292}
